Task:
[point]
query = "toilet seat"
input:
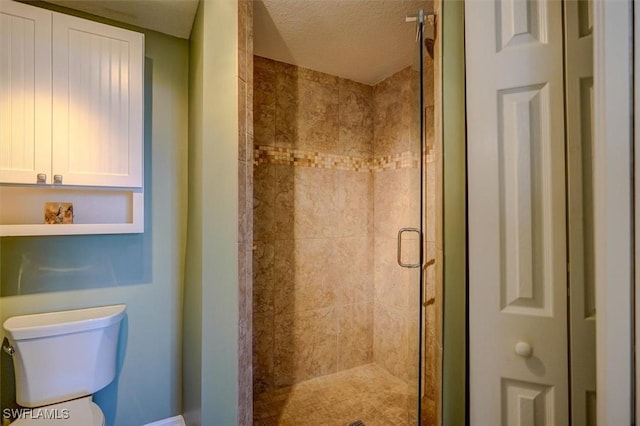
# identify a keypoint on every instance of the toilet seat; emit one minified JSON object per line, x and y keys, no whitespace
{"x":78,"y":412}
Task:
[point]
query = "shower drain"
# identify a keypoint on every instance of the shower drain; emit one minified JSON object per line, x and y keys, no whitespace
{"x":357,"y":423}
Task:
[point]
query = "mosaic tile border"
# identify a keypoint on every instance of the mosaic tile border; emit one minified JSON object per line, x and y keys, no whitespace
{"x":403,"y":160}
{"x":265,"y":154}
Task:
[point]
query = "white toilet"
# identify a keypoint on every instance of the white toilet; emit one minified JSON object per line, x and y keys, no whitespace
{"x":60,"y":359}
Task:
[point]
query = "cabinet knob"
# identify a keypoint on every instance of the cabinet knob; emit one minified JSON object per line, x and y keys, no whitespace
{"x":57,"y":179}
{"x":41,"y":178}
{"x":523,"y":349}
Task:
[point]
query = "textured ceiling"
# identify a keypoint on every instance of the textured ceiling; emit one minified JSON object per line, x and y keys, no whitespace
{"x":173,"y":17}
{"x":362,"y":40}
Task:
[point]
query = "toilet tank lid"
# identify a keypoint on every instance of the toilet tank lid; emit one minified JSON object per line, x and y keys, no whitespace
{"x":62,"y":322}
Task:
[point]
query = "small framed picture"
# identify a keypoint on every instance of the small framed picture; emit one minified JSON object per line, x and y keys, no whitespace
{"x":56,"y":213}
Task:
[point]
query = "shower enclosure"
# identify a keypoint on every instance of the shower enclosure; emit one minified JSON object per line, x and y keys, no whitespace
{"x":346,"y":289}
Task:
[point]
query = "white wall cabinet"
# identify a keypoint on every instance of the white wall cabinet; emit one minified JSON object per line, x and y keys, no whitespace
{"x":71,"y":120}
{"x":72,"y":100}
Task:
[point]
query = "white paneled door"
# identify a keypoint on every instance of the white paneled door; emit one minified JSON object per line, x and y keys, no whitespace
{"x":517,"y":219}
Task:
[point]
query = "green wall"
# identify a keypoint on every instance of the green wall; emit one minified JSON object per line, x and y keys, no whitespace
{"x":144,"y":271}
{"x":211,"y":287}
{"x":455,"y":217}
{"x":192,"y":326}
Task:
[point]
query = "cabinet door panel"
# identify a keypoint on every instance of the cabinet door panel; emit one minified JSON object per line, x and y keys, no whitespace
{"x":25,"y":93}
{"x":97,"y":108}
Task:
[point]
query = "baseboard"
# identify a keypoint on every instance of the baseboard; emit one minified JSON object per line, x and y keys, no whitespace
{"x":173,"y":421}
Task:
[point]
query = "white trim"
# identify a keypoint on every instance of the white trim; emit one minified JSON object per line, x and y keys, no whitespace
{"x":612,"y":215}
{"x":173,"y":421}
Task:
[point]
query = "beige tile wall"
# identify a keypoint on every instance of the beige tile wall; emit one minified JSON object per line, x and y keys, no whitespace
{"x":433,"y":241}
{"x":396,"y":205}
{"x":335,"y":177}
{"x":245,"y":209}
{"x":312,"y":225}
{"x":432,"y":377}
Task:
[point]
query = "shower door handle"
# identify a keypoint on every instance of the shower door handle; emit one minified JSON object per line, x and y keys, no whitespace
{"x":400,"y":232}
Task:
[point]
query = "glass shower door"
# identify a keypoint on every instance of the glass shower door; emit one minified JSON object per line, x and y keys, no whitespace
{"x":410,"y":236}
{"x":419,"y":253}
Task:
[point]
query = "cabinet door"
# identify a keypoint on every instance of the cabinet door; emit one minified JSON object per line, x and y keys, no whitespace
{"x":25,"y":93}
{"x":97,"y":103}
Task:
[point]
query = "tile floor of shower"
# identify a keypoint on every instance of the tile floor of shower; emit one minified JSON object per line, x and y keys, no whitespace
{"x":368,"y":393}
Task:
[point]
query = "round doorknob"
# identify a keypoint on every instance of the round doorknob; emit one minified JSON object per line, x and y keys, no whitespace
{"x":524,"y":349}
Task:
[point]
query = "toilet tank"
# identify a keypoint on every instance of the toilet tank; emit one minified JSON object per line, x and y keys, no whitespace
{"x":63,"y":355}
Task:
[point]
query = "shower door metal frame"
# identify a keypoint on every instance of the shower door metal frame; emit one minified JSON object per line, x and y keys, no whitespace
{"x":420,"y":20}
{"x":421,"y":159}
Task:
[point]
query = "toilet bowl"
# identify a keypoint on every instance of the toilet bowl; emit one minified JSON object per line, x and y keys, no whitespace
{"x":60,"y":359}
